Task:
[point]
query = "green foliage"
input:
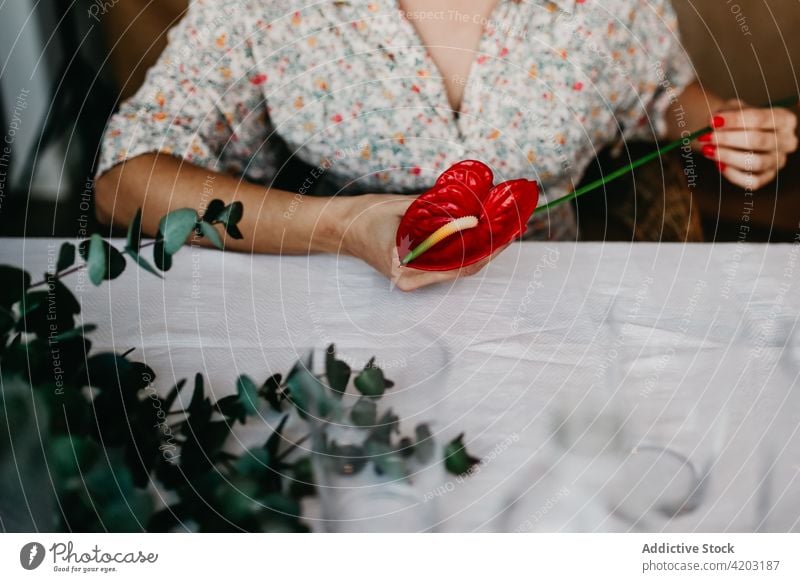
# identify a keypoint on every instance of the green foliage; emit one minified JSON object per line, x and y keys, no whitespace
{"x":229,"y":216}
{"x":176,"y":227}
{"x":371,"y":382}
{"x":337,"y":371}
{"x":133,"y":244}
{"x":247,"y":395}
{"x":306,"y":391}
{"x":104,"y":434}
{"x":103,"y":261}
{"x":66,"y":256}
{"x":364,"y":412}
{"x":456,"y":458}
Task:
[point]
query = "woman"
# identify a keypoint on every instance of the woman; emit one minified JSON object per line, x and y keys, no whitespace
{"x":380,"y":97}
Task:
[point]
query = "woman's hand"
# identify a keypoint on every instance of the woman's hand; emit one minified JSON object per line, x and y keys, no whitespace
{"x":370,"y":236}
{"x":750,"y":144}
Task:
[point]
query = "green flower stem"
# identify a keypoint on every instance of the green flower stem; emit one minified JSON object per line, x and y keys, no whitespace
{"x":602,"y":181}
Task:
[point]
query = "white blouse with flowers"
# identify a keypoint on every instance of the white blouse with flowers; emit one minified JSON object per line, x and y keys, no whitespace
{"x":348,"y":88}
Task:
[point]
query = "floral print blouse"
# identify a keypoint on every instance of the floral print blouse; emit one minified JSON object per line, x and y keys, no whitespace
{"x":347,"y":88}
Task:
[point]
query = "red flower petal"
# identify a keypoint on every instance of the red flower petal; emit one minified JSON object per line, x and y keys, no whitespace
{"x":470,"y":173}
{"x":466,"y":189}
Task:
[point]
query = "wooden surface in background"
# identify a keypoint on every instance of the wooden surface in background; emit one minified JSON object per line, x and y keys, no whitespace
{"x":136,"y":33}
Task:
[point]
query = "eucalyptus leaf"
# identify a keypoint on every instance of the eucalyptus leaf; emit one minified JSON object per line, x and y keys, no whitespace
{"x":7,"y":322}
{"x":96,"y":259}
{"x":302,"y":483}
{"x":173,"y":394}
{"x":71,"y":455}
{"x":276,"y":438}
{"x":134,"y":238}
{"x":456,"y":458}
{"x":66,"y":256}
{"x":385,"y":427}
{"x":15,"y":284}
{"x":307,"y":393}
{"x":234,"y":232}
{"x":230,"y":217}
{"x":248,"y":395}
{"x":370,"y":381}
{"x":364,"y":412}
{"x":161,"y":257}
{"x":103,"y":261}
{"x":271,"y":390}
{"x":198,"y":397}
{"x":253,"y":463}
{"x":337,"y":371}
{"x":116,"y":261}
{"x":213,"y":211}
{"x":233,"y":213}
{"x":237,"y":499}
{"x":142,"y":262}
{"x":43,"y":312}
{"x":176,"y":227}
{"x":231,"y":407}
{"x":210,"y":233}
{"x":387,"y":461}
{"x":406,"y":447}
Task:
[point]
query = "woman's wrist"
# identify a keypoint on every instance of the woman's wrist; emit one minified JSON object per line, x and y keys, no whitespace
{"x":691,"y":110}
{"x":333,"y":229}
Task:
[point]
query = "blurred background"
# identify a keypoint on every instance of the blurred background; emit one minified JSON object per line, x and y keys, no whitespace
{"x":66,"y":65}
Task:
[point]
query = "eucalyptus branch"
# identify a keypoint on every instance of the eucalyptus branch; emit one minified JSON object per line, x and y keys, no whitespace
{"x":292,"y":448}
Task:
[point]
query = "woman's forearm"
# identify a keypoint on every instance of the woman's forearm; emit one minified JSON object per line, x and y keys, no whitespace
{"x":274,"y":221}
{"x":691,"y":110}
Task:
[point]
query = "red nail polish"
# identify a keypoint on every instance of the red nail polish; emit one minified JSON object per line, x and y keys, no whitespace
{"x":709,"y":151}
{"x":721,"y":166}
{"x":705,"y":138}
{"x":718,"y":121}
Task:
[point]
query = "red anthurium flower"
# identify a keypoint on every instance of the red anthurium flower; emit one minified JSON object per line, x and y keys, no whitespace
{"x":468,"y":216}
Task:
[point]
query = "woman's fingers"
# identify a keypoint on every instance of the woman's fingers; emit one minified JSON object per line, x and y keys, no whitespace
{"x":752,"y":119}
{"x":747,"y":161}
{"x":749,"y":180}
{"x":750,"y":145}
{"x":408,"y":279}
{"x":759,"y":141}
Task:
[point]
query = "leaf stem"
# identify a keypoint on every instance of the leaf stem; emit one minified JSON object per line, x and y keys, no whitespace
{"x":76,"y":268}
{"x":291,"y":448}
{"x":63,"y":273}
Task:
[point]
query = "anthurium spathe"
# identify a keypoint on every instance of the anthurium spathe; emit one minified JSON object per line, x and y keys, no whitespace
{"x":464,"y":218}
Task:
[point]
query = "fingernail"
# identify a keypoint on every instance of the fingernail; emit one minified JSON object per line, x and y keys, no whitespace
{"x":718,"y":121}
{"x":709,"y":151}
{"x":721,"y":166}
{"x":705,"y":138}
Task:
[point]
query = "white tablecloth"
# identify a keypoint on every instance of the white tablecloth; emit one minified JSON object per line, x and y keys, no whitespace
{"x":693,"y":349}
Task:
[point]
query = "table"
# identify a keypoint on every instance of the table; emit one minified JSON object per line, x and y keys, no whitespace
{"x":693,"y":349}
